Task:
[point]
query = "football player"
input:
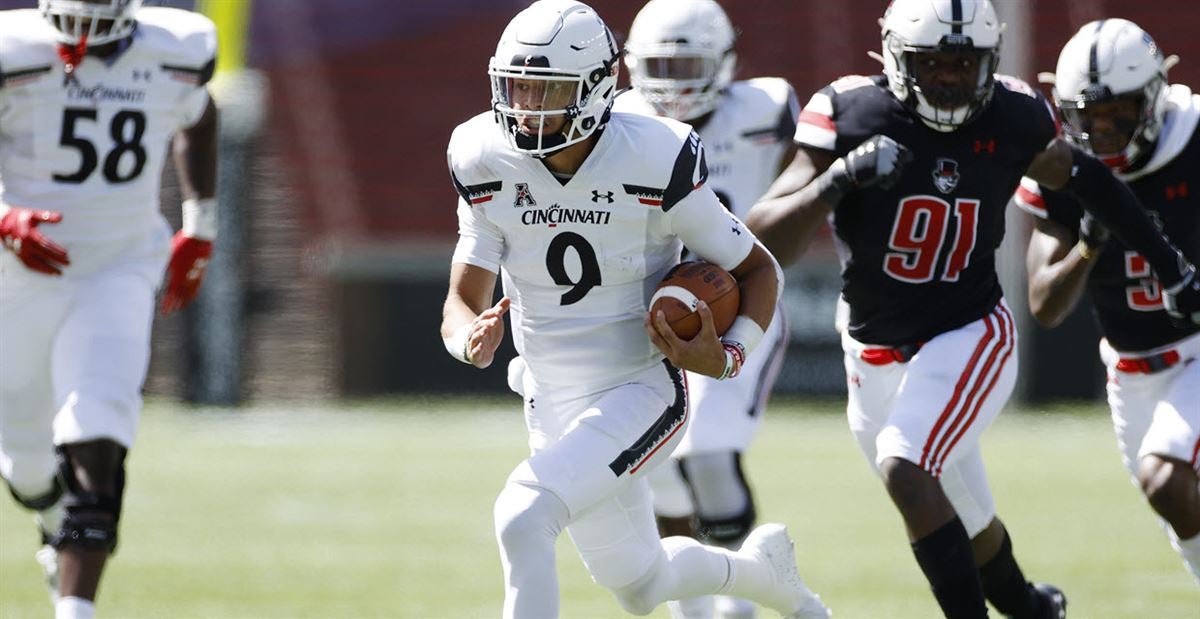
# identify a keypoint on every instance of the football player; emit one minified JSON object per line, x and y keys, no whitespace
{"x":91,"y":94}
{"x":1112,"y":90}
{"x":915,"y":168}
{"x":681,"y":63}
{"x":582,"y":211}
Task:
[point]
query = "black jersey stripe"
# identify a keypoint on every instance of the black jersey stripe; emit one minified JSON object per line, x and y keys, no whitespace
{"x":663,"y":428}
{"x":5,"y":77}
{"x":202,"y":74}
{"x":1093,"y":55}
{"x":956,"y":16}
{"x":687,"y":174}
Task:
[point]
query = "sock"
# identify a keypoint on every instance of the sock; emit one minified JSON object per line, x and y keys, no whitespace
{"x":1189,"y":549}
{"x":949,"y":565}
{"x":1006,"y":588}
{"x":74,"y":608}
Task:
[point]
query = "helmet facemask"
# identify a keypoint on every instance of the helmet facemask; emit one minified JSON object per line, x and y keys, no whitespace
{"x":93,"y":23}
{"x":943,"y":104}
{"x":543,"y":110}
{"x":679,"y":80}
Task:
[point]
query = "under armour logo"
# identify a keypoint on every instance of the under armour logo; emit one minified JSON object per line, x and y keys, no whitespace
{"x":736,"y":227}
{"x":597,"y":196}
{"x":141,"y":74}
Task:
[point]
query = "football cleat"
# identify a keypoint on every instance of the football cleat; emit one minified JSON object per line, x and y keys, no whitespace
{"x":772,"y":545}
{"x":1055,"y":599}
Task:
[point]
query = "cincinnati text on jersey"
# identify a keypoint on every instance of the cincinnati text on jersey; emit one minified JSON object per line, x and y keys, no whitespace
{"x":557,"y":215}
{"x":100,"y":92}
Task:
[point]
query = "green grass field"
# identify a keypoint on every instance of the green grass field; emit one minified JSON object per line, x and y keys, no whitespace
{"x":384,"y":510}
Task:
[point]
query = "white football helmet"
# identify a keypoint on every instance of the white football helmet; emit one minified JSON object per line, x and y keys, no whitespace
{"x":1108,"y":60}
{"x":680,"y":56}
{"x":94,"y":22}
{"x":913,"y":27}
{"x":556,"y":60}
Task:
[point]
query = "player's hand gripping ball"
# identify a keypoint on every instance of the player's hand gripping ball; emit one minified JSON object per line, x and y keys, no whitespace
{"x":685,"y":286}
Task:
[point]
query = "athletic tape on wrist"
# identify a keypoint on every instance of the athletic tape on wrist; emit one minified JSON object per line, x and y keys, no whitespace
{"x":745,"y":333}
{"x":457,"y":344}
{"x":200,"y":218}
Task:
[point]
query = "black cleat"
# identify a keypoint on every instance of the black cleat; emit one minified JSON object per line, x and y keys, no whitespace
{"x":1056,"y":601}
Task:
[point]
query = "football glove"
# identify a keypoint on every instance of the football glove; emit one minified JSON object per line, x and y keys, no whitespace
{"x":19,"y":233}
{"x":1182,"y":301}
{"x":185,"y":271}
{"x":877,"y":162}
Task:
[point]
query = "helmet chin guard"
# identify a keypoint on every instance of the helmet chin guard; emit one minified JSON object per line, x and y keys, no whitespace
{"x":914,"y":27}
{"x":1112,"y":60}
{"x":680,"y":56}
{"x":90,"y":23}
{"x":554,"y":76}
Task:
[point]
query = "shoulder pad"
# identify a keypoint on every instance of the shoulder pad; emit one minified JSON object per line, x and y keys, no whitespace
{"x":27,"y":47}
{"x":185,"y":42}
{"x":631,"y":101}
{"x":1029,"y":198}
{"x":769,"y":106}
{"x":467,"y":157}
{"x":667,"y":161}
{"x":846,"y":83}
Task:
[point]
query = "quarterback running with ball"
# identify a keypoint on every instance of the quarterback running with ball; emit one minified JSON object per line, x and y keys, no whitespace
{"x":93,"y":95}
{"x":581,"y":212}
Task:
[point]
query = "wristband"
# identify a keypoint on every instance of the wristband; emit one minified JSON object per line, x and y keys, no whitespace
{"x":734,"y":358}
{"x":458,"y":344}
{"x":200,"y":218}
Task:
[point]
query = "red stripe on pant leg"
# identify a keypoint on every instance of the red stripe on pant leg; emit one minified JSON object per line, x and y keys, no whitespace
{"x":1012,"y":338}
{"x":1196,"y":455}
{"x":962,"y":383}
{"x":682,"y":422}
{"x":961,"y":417}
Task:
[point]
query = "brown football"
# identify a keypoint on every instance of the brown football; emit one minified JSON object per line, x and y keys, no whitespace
{"x":689,"y":283}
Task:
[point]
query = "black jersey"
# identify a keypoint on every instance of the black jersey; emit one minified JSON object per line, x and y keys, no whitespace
{"x":1126,"y":298}
{"x":919,"y":259}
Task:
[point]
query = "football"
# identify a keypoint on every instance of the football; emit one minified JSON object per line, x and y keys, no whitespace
{"x":689,"y":283}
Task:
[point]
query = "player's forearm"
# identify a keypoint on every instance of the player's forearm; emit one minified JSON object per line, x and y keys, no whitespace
{"x":787,"y":224}
{"x":195,"y":154}
{"x":759,"y":289}
{"x":1055,"y":289}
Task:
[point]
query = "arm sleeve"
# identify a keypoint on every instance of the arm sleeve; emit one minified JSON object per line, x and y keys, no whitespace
{"x":710,"y":231}
{"x":1029,"y":198}
{"x":480,"y":242}
{"x":1113,"y":203}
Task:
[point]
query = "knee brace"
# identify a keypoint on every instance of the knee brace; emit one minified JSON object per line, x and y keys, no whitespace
{"x":91,"y":518}
{"x":41,"y":502}
{"x":725,"y":511}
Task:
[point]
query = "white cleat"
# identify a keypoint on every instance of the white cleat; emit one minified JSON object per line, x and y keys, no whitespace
{"x":47,"y":557}
{"x":771,"y":543}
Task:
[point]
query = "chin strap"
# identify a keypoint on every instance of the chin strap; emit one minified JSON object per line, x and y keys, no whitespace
{"x":72,"y":55}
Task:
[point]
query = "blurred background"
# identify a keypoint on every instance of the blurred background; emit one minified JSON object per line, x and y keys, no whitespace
{"x":338,"y":213}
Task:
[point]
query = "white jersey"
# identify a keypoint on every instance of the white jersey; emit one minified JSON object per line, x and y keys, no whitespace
{"x":745,"y":138}
{"x":92,"y":145}
{"x":581,"y":260}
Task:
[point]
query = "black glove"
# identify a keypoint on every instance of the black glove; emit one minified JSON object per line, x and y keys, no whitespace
{"x":1093,"y":233}
{"x":1182,"y":301}
{"x":877,"y":162}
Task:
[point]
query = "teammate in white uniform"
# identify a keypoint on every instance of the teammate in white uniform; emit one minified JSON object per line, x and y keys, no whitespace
{"x":1111,"y":86}
{"x":583,"y":211}
{"x":91,"y":94}
{"x":681,"y":60}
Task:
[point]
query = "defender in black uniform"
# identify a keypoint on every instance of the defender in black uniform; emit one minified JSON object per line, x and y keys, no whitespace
{"x":915,"y":168}
{"x":1111,"y":85}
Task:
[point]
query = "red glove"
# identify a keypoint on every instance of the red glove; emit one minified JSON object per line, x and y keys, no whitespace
{"x":19,"y":233}
{"x":189,"y":258}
